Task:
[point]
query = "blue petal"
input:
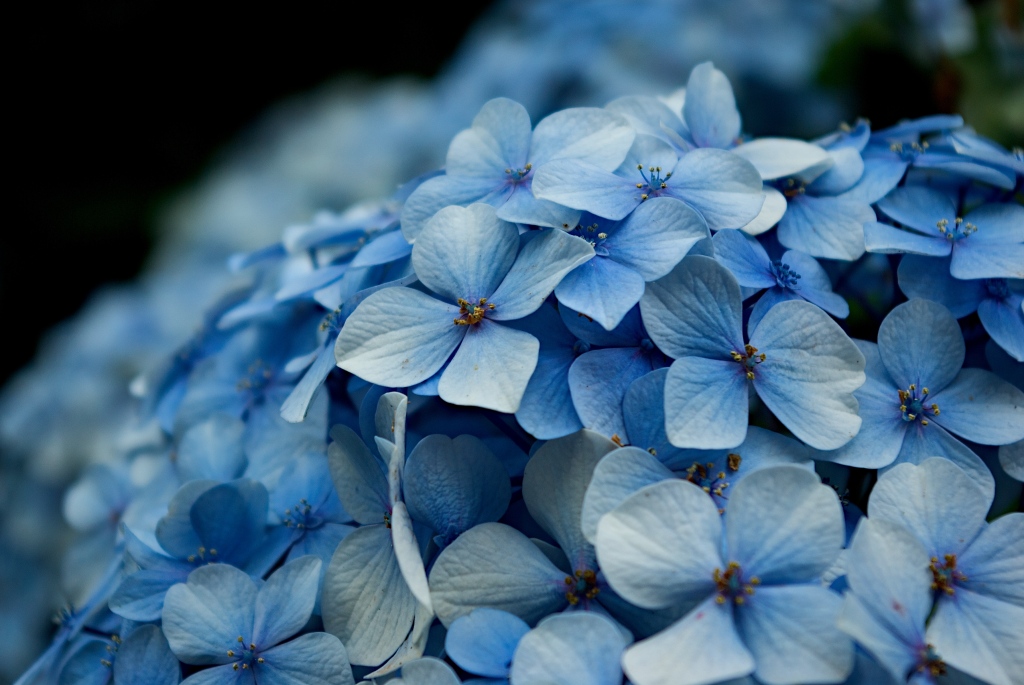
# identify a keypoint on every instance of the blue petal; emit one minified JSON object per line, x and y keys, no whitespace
{"x":145,"y":658}
{"x":656,"y":236}
{"x":629,"y":333}
{"x":881,"y":434}
{"x":522,"y":207}
{"x":769,"y":299}
{"x":454,"y":485}
{"x":598,"y":381}
{"x":784,"y":526}
{"x":542,"y":263}
{"x":1004,"y":321}
{"x":285,"y":602}
{"x":587,"y":134}
{"x":385,"y":248}
{"x":483,"y":641}
{"x":499,"y":138}
{"x":924,"y":442}
{"x":427,"y":671}
{"x":546,"y":410}
{"x":745,"y":258}
{"x":491,"y":368}
{"x":695,"y":310}
{"x":792,"y":633}
{"x":981,"y":636}
{"x":930,"y":279}
{"x":643,"y":409}
{"x":617,"y":476}
{"x":771,"y":213}
{"x":494,"y":565}
{"x":918,"y":207}
{"x":920,"y":343}
{"x":365,"y":602}
{"x":554,"y":485}
{"x":83,"y":665}
{"x":994,"y":562}
{"x":296,"y":406}
{"x":705,"y":403}
{"x":203,"y":618}
{"x":814,"y":285}
{"x":724,"y":188}
{"x":885,"y":239}
{"x":710,"y":108}
{"x":586,"y":187}
{"x":810,"y":373}
{"x":398,"y":337}
{"x":174,"y":531}
{"x":580,"y":648}
{"x":981,"y":407}
{"x":829,"y":227}
{"x":776,"y":158}
{"x":313,"y":659}
{"x":437,"y":193}
{"x":977,"y":259}
{"x":602,"y":289}
{"x":140,"y":596}
{"x":358,"y":476}
{"x":230,"y":520}
{"x":881,"y":174}
{"x":212,"y":450}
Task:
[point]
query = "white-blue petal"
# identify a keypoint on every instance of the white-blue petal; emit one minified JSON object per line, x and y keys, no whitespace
{"x":491,"y":368}
{"x":920,"y":343}
{"x":706,"y":403}
{"x":829,"y":227}
{"x":579,"y":648}
{"x":285,"y":602}
{"x":542,"y":263}
{"x":710,"y":108}
{"x":724,"y":188}
{"x":617,"y":476}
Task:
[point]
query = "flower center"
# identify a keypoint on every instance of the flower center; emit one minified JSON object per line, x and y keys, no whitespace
{"x":928,"y":662}
{"x":958,"y":231}
{"x":749,"y":360}
{"x":945,"y":575}
{"x":332,"y":322}
{"x":256,"y":377}
{"x":711,"y":478}
{"x":784,"y":275}
{"x":914,"y":406}
{"x":593,"y":235}
{"x":908,"y":151}
{"x":517,"y":175}
{"x":792,"y":187}
{"x":301,"y":516}
{"x":470,"y":314}
{"x":581,"y":585}
{"x":115,"y":642}
{"x":202,"y":556}
{"x":731,"y":586}
{"x":244,"y":656}
{"x":653,"y":181}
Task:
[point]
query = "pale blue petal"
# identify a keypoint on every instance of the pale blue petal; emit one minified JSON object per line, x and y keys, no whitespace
{"x":724,"y":188}
{"x":522,"y":207}
{"x":881,"y":434}
{"x":980,"y":406}
{"x":145,"y":658}
{"x":579,"y":648}
{"x":483,"y":641}
{"x":408,"y":555}
{"x":617,"y":476}
{"x":710,"y":108}
{"x":585,"y":134}
{"x":212,"y":450}
{"x":924,"y":442}
{"x":491,"y":368}
{"x":413,"y":647}
{"x":543,"y":261}
{"x":383,"y":249}
{"x":706,"y":403}
{"x":846,"y":170}
{"x":695,"y":310}
{"x":930,"y":279}
{"x":427,"y":671}
{"x":554,"y":485}
{"x":358,"y":476}
{"x":894,"y":657}
{"x":203,"y":618}
{"x":500,"y":138}
{"x":586,"y":187}
{"x":828,"y":227}
{"x":140,"y":596}
{"x":546,"y":409}
{"x":656,"y":236}
{"x":643,"y":408}
{"x":885,"y":239}
{"x":776,"y":158}
{"x":920,"y":343}
{"x":935,"y":500}
{"x":783,"y":525}
{"x":219,"y":675}
{"x":814,"y":285}
{"x":285,"y":602}
{"x":771,"y":213}
{"x":918,"y":207}
{"x":174,"y":531}
{"x":82,"y":666}
{"x":1011,"y":458}
{"x":702,"y":648}
{"x":296,"y":406}
{"x":972,"y":259}
{"x":769,"y":299}
{"x":464,"y":252}
{"x":453,"y":485}
{"x":810,"y":373}
{"x":981,"y":636}
{"x":398,"y":337}
{"x":602,"y":289}
{"x":881,"y":174}
{"x":366,"y":603}
{"x":994,"y":563}
{"x":745,"y":258}
{"x":792,"y":633}
{"x":998,"y":223}
{"x":1004,"y":321}
{"x":647,"y":114}
{"x":629,"y":333}
{"x":496,"y":566}
{"x":437,"y":193}
{"x":598,"y":381}
{"x":304,"y":284}
{"x":660,"y":547}
{"x":230,"y":520}
{"x":313,"y":659}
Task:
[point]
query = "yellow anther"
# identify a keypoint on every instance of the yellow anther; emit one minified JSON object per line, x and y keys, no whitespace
{"x":734,"y":460}
{"x":115,"y":639}
{"x":260,"y":660}
{"x":740,"y":599}
{"x":653,"y":451}
{"x":719,"y":599}
{"x":213,"y":552}
{"x":640,"y":167}
{"x":750,"y":375}
{"x":924,"y":422}
{"x":664,"y":185}
{"x":240,"y":639}
{"x":639,"y":185}
{"x":643,"y":197}
{"x":508,"y":171}
{"x":231,"y":652}
{"x":924,"y":390}
{"x":234,"y":667}
{"x":602,"y":236}
{"x":105,"y":663}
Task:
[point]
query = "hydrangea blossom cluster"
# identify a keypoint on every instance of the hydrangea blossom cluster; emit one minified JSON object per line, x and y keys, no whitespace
{"x":591,"y":404}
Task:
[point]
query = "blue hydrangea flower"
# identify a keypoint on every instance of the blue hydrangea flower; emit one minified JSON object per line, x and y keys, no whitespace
{"x":205,"y":524}
{"x":987,"y":242}
{"x":221,"y":617}
{"x":643,"y":247}
{"x":138,"y":656}
{"x":798,"y":360}
{"x":998,"y":301}
{"x":917,"y":396}
{"x":398,"y":337}
{"x":793,"y":276}
{"x":755,"y":603}
{"x":483,"y":641}
{"x":496,"y":161}
{"x":976,"y":568}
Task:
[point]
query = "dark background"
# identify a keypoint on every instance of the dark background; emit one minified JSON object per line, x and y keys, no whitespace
{"x":118,"y":104}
